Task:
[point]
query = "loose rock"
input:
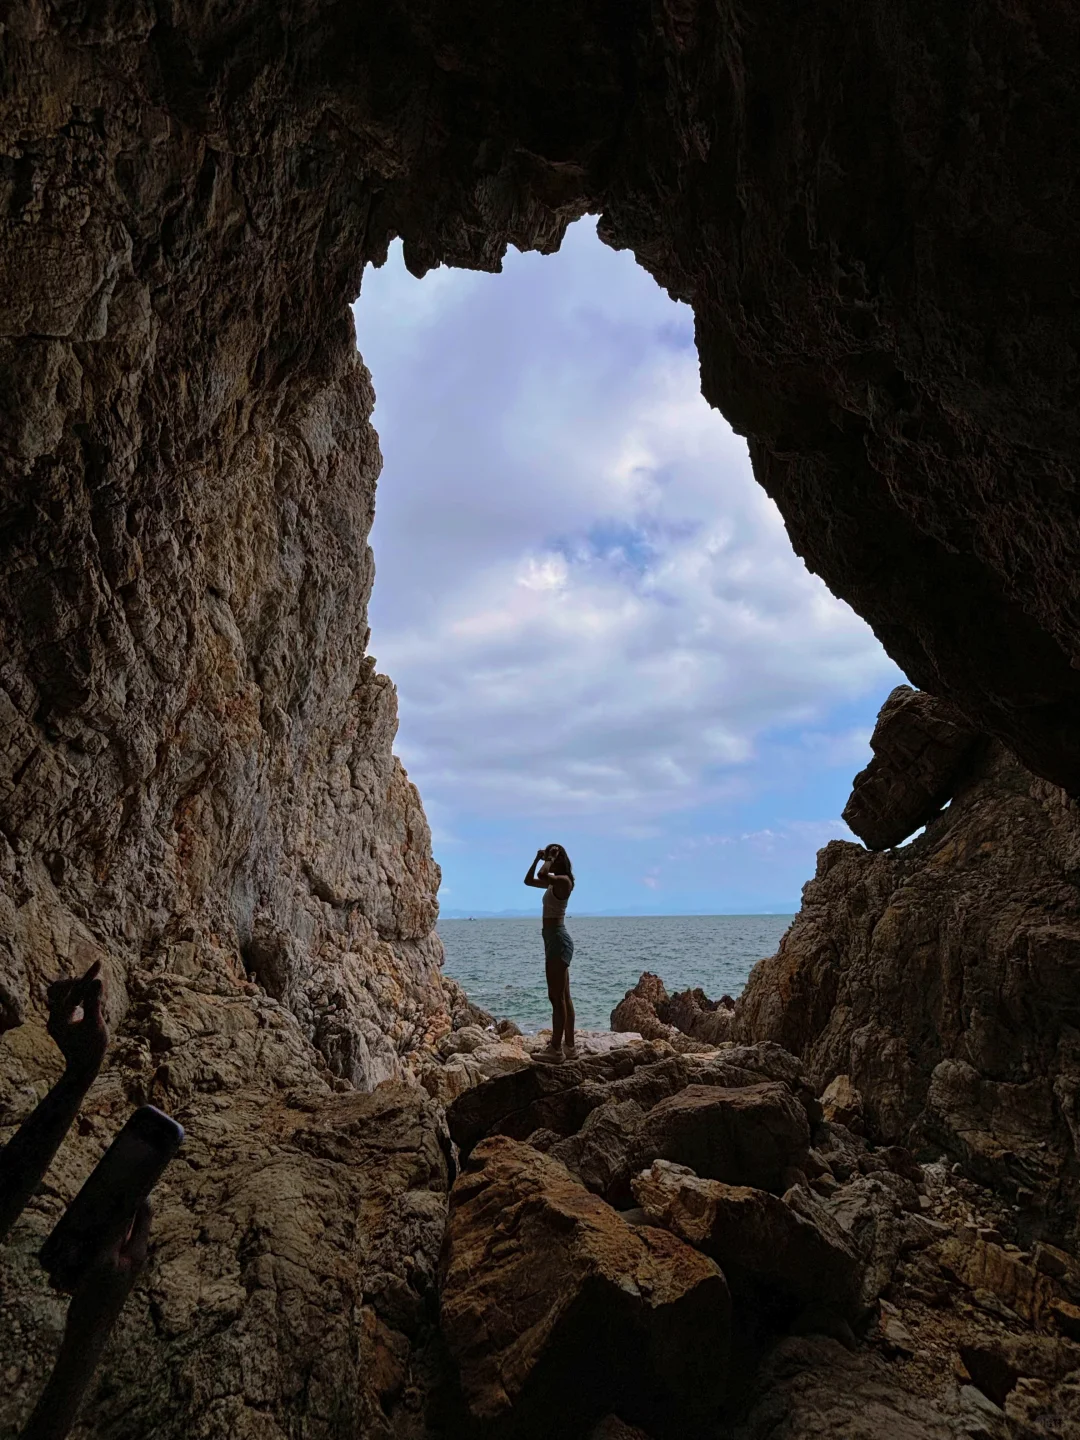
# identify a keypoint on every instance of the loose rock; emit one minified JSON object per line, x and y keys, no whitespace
{"x":553,"y":1305}
{"x":757,"y":1239}
{"x":750,"y":1136}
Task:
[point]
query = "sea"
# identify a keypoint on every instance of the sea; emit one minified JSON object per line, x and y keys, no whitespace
{"x":500,"y":963}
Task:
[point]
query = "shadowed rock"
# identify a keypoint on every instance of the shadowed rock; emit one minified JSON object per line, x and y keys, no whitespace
{"x":814,"y":1389}
{"x":758,"y":1240}
{"x":920,"y":745}
{"x":942,"y":979}
{"x":555,"y":1096}
{"x":997,"y":1362}
{"x":556,"y":1311}
{"x":559,"y":1097}
{"x":599,"y":1154}
{"x":877,"y":239}
{"x":752,"y":1136}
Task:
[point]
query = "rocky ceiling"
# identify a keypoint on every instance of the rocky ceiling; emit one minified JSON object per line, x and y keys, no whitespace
{"x":872,"y":208}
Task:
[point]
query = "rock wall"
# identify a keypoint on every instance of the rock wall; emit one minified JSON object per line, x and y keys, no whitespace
{"x":943,"y":977}
{"x":197,"y":782}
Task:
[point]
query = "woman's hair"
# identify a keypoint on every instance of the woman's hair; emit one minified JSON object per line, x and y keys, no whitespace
{"x":562,"y":864}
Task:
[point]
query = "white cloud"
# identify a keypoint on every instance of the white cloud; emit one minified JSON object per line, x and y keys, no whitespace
{"x":587,"y":603}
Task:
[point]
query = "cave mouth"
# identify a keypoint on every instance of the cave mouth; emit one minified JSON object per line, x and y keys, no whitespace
{"x":591,"y":609}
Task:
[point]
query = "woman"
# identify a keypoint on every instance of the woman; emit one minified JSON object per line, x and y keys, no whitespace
{"x":556,"y":878}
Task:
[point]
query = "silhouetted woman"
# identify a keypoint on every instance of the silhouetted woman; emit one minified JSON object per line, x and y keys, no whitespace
{"x":556,"y":878}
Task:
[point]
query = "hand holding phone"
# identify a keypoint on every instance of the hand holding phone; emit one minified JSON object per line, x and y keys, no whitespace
{"x":92,"y":1314}
{"x":102,"y":1212}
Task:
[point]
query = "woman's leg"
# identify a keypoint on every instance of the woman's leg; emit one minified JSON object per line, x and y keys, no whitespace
{"x":567,"y":1010}
{"x":556,"y":985}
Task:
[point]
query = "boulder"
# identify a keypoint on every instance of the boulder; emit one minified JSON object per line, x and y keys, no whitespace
{"x":612,"y":1428}
{"x":633,"y":1013}
{"x":649,"y":1010}
{"x":692,"y":1012}
{"x":750,"y":1136}
{"x":870,"y":1214}
{"x":814,"y":1388}
{"x":943,"y":978}
{"x":983,"y":1265}
{"x":471,"y":1065}
{"x":557,"y":1312}
{"x":1044,"y":1410}
{"x":841,"y":1103}
{"x":758,"y":1240}
{"x":920,"y":744}
{"x":558,"y":1097}
{"x":464,"y":1039}
{"x":514,"y":1104}
{"x":996,"y":1362}
{"x":841,"y":1149}
{"x":599,"y":1154}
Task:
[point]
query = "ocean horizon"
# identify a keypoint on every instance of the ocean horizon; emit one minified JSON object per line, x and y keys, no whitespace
{"x":628,"y":914}
{"x":499,"y":960}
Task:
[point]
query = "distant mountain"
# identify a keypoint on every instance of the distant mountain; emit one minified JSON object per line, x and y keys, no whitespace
{"x":638,"y":912}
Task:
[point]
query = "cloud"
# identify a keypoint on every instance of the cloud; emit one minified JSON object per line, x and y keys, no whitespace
{"x":589,"y":606}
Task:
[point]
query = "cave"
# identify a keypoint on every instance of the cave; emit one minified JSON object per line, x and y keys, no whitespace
{"x":872,"y":212}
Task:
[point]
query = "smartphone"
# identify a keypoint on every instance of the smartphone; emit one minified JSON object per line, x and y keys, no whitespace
{"x":103,"y":1209}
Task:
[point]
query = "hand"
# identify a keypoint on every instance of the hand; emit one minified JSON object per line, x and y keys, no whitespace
{"x":107,"y":1283}
{"x":540,"y":855}
{"x":92,"y":1314}
{"x":82,"y":1042}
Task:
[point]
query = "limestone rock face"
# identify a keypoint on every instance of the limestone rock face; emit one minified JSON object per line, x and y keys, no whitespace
{"x":920,"y":745}
{"x":890,"y":327}
{"x":295,"y":1240}
{"x":552,"y":1304}
{"x":197,"y":782}
{"x":942,"y":979}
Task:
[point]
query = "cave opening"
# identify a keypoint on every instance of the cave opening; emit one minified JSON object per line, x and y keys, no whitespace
{"x":592,"y":610}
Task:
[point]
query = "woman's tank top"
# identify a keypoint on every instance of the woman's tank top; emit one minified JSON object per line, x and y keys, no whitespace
{"x":554,"y":909}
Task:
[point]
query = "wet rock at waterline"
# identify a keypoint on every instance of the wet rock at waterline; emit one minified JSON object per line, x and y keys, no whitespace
{"x":651,"y":1012}
{"x":556,"y":1310}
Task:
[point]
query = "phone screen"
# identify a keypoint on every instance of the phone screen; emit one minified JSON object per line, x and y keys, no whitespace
{"x":103,"y":1209}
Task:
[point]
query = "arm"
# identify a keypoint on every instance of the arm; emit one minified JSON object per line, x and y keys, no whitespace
{"x":26,"y":1157}
{"x":93,"y":1312}
{"x":538,"y":882}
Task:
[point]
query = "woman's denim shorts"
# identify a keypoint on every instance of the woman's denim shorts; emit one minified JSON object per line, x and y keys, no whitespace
{"x":557,"y":944}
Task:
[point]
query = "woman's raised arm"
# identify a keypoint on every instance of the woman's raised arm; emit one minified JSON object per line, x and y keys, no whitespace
{"x":538,"y":882}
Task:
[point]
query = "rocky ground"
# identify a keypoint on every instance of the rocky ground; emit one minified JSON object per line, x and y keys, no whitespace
{"x":688,"y":1244}
{"x":842,"y":1207}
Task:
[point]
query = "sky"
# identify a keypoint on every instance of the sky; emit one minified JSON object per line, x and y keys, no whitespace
{"x":598,"y":629}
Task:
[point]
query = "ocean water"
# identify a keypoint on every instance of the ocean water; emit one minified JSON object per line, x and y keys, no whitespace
{"x":500,"y":963}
